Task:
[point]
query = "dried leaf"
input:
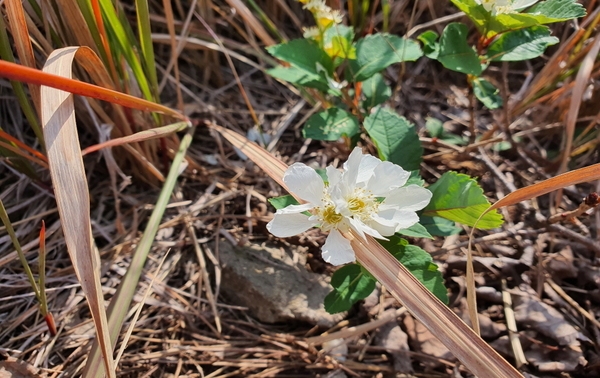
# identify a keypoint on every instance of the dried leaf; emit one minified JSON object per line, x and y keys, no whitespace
{"x":71,"y":192}
{"x":534,"y":313}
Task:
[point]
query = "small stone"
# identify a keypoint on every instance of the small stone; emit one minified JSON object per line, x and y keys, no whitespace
{"x":275,"y":286}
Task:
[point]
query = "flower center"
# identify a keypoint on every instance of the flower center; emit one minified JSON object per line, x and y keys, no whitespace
{"x":362,"y":204}
{"x":329,"y":215}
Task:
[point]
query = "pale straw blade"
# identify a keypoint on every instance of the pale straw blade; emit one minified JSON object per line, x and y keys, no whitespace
{"x":72,"y":194}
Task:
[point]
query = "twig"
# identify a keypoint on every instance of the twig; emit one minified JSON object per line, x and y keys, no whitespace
{"x":589,"y":243}
{"x":591,"y":201}
{"x":511,"y":324}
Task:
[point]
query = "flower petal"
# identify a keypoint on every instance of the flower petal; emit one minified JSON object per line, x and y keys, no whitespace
{"x":305,"y":182}
{"x":334,"y":175}
{"x":337,"y":250}
{"x":405,"y":219}
{"x":294,"y":209}
{"x":366,"y":168}
{"x":363,"y":229}
{"x":387,"y":176}
{"x":411,"y":198}
{"x":351,"y":168}
{"x":286,"y":225}
{"x":384,"y":222}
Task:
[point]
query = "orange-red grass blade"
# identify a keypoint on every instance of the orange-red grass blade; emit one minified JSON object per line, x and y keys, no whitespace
{"x":18,"y":143}
{"x":24,"y":74}
{"x":577,"y":176}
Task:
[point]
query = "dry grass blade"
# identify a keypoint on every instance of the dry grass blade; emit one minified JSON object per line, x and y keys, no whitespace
{"x":462,"y":341}
{"x":465,"y":344}
{"x":20,"y":32}
{"x":577,"y":176}
{"x":72,"y":194}
{"x":252,"y":22}
{"x":157,"y":132}
{"x":581,"y":84}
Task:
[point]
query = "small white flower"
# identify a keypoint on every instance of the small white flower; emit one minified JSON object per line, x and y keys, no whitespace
{"x":367,"y":196}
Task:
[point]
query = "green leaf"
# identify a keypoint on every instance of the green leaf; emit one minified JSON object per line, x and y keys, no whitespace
{"x":378,"y":51}
{"x":455,"y":53}
{"x":310,"y":66}
{"x":476,"y":12}
{"x":559,"y":10}
{"x":395,"y":137}
{"x":299,"y":77}
{"x":435,"y":128}
{"x":283,"y":201}
{"x":521,"y":44}
{"x":416,"y":231}
{"x":350,"y":285}
{"x":419,"y":263}
{"x":486,"y":93}
{"x":415,"y":178}
{"x":331,"y":125}
{"x":459,"y":198}
{"x":376,"y":91}
{"x":337,"y":41}
{"x":431,"y":47}
{"x":545,"y":12}
{"x":303,"y":54}
{"x":439,"y":226}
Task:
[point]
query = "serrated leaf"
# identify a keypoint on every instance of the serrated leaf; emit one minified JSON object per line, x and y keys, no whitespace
{"x":310,"y":66}
{"x":283,"y":201}
{"x":378,"y":51}
{"x":431,"y":47}
{"x":350,"y":284}
{"x":487,"y":93}
{"x":546,"y":12}
{"x":299,"y":77}
{"x":459,"y":198}
{"x":559,"y":10}
{"x":455,"y":53}
{"x":419,"y":263}
{"x":376,"y":91}
{"x":439,"y":226}
{"x":415,"y":179}
{"x":303,"y":54}
{"x":331,"y":124}
{"x":416,"y":231}
{"x":521,"y":44}
{"x":395,"y":137}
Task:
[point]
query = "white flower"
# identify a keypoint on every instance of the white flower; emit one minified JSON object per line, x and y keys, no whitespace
{"x":367,"y":196}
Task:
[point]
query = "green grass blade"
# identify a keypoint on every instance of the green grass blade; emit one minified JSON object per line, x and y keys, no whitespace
{"x":143,"y":21}
{"x":266,"y":21}
{"x":88,"y":15}
{"x":126,"y":44}
{"x":13,"y":237}
{"x":119,"y":304}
